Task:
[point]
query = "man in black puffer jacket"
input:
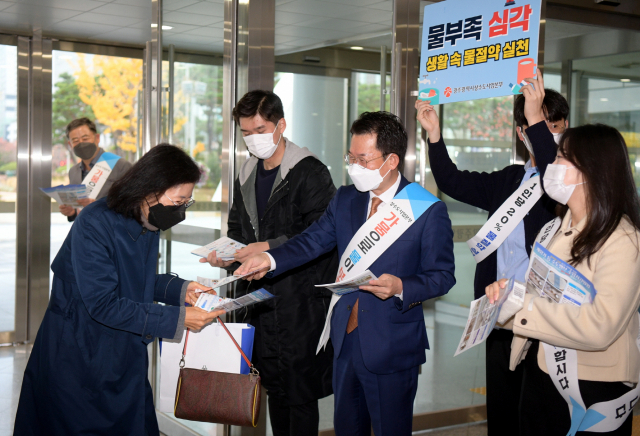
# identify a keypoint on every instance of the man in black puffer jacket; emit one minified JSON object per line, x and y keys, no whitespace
{"x":281,"y":190}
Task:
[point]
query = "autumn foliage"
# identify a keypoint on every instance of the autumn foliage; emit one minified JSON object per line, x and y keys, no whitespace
{"x":110,"y":86}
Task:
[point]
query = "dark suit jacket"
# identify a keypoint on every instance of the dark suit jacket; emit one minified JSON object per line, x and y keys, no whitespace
{"x":392,"y":332}
{"x":488,"y":191}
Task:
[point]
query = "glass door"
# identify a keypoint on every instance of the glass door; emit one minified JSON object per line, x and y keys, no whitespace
{"x":606,"y":89}
{"x":192,"y":120}
{"x":105,"y":89}
{"x":8,"y":188}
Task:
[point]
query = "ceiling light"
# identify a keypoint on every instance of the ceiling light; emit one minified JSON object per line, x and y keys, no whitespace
{"x":355,"y":47}
{"x":166,"y":27}
{"x":604,"y":99}
{"x":625,"y":80}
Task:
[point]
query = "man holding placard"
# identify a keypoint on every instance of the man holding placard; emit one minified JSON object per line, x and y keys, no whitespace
{"x":402,"y":234}
{"x":518,"y":209}
{"x":97,"y":170}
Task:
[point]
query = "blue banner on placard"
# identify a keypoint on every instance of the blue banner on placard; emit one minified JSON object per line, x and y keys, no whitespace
{"x":477,"y":49}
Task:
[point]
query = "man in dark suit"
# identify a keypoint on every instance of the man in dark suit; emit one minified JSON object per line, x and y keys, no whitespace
{"x":378,"y":333}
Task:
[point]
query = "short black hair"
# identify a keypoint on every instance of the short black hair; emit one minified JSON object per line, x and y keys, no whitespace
{"x":391,"y":137}
{"x":555,"y":107}
{"x":259,"y":102}
{"x":79,"y":123}
{"x":160,"y":169}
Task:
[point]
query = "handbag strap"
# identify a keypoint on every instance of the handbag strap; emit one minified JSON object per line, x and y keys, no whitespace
{"x":246,"y":359}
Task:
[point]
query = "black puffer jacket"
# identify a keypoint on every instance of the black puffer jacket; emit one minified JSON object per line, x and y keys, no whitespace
{"x":289,"y":326}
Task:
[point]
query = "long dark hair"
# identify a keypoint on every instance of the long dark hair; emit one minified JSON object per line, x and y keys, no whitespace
{"x":162,"y":168}
{"x":600,"y":154}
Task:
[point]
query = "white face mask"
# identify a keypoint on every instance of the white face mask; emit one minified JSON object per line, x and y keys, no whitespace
{"x":554,"y":183}
{"x":365,"y":179}
{"x":557,"y":137}
{"x":261,"y":144}
{"x":527,"y":142}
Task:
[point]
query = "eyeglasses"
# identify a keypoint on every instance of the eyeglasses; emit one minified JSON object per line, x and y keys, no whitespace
{"x":348,"y":158}
{"x":186,"y":203}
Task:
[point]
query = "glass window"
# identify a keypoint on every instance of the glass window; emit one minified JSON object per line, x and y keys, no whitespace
{"x":478,"y":137}
{"x":8,"y":184}
{"x":317,"y":117}
{"x":197,"y":128}
{"x":606,"y":90}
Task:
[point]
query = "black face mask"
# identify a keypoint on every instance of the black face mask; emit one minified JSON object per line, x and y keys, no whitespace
{"x":85,"y":150}
{"x":165,"y":217}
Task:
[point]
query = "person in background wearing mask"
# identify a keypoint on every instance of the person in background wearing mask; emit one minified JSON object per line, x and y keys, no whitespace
{"x":84,"y":139}
{"x":584,"y":357}
{"x":378,"y":332}
{"x":87,"y":372}
{"x":280,"y":191}
{"x":491,"y":192}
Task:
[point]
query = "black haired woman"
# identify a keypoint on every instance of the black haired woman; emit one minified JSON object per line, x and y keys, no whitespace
{"x":599,"y":237}
{"x":87,"y":373}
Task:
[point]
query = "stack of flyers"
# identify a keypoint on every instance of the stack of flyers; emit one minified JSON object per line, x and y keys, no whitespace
{"x":209,"y":283}
{"x":351,"y":285}
{"x":215,"y":283}
{"x":67,"y":194}
{"x":211,"y":302}
{"x":224,"y":247}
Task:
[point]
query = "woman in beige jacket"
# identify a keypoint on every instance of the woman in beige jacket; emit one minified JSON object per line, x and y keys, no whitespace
{"x":599,"y":236}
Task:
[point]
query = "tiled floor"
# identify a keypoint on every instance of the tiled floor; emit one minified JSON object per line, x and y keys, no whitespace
{"x":463,"y":430}
{"x":12,"y":363}
{"x":445,"y":381}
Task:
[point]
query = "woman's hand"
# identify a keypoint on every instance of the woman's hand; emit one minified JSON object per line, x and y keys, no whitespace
{"x":196,"y":319}
{"x":215,"y":262}
{"x":194,"y":289}
{"x":493,"y":290}
{"x":251,"y":250}
{"x":428,"y":119}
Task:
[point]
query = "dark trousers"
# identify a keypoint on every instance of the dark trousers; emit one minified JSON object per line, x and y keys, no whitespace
{"x":364,"y":399}
{"x":503,"y":386}
{"x":296,"y":420}
{"x":545,"y":412}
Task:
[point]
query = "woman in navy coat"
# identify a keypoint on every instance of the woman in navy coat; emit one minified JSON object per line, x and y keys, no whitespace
{"x":87,"y":373}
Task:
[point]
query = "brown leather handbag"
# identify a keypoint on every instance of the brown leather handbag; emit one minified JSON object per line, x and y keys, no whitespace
{"x":218,"y":397}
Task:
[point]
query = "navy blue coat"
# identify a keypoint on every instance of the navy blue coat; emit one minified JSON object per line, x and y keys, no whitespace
{"x":87,"y":373}
{"x":392,"y":332}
